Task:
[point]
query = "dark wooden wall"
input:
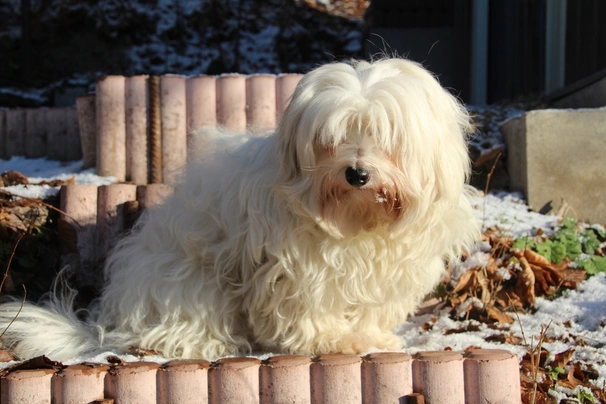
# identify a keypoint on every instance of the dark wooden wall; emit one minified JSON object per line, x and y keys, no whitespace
{"x":516,"y":48}
{"x":585,"y":38}
{"x":516,"y":39}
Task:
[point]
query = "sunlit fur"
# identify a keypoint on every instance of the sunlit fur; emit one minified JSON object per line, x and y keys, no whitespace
{"x":265,"y":246}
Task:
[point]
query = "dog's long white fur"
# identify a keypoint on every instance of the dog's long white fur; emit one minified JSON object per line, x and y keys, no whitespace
{"x":266,"y":246}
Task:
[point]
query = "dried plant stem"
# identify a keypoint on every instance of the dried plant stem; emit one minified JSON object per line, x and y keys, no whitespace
{"x":534,"y":351}
{"x":488,"y":178}
{"x":10,"y":260}
{"x":18,"y":312}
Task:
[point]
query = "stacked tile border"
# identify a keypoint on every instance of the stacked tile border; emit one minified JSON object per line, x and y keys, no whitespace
{"x":112,"y":129}
{"x":94,"y":217}
{"x":40,"y":132}
{"x":478,"y":376}
{"x":141,"y":128}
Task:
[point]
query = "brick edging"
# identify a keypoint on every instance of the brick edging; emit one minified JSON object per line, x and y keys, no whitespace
{"x":477,"y":376}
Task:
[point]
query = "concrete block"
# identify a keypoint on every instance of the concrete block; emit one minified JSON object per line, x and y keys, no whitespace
{"x":183,"y":381}
{"x":26,"y":387}
{"x":336,"y":378}
{"x":386,"y":376}
{"x":73,"y":145}
{"x":78,"y":230}
{"x":111,"y":201}
{"x":556,"y":157}
{"x":79,"y":384}
{"x":285,"y":379}
{"x":136,"y":129}
{"x":110,"y":120}
{"x":231,"y":102}
{"x":56,"y":124}
{"x":133,"y":382}
{"x":201,"y":102}
{"x":15,"y":133}
{"x":88,"y":129}
{"x":285,"y":88}
{"x":439,"y":377}
{"x":491,"y":376}
{"x":35,"y":132}
{"x":152,"y":195}
{"x":587,"y":93}
{"x":174,"y":126}
{"x":234,"y":380}
{"x":261,"y":101}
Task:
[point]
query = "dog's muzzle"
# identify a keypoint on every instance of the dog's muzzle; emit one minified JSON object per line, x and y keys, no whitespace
{"x":357,"y":177}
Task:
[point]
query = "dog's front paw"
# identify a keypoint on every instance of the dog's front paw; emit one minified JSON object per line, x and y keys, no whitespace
{"x":388,"y":342}
{"x":362,"y":343}
{"x":353,"y":344}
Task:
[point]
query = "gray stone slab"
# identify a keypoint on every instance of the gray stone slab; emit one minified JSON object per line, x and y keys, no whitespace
{"x":558,"y":157}
{"x":592,"y":95}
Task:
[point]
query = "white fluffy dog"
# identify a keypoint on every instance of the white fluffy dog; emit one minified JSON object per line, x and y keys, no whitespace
{"x":320,"y":238}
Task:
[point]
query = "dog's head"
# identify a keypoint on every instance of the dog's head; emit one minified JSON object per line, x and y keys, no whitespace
{"x":364,"y":145}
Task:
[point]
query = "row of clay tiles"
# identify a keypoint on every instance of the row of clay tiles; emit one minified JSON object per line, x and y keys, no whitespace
{"x":40,"y":132}
{"x":479,"y":377}
{"x":139,"y":128}
{"x":94,"y":217}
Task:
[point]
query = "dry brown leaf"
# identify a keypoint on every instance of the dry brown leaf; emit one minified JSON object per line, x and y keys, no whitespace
{"x":39,"y":362}
{"x":536,"y":258}
{"x":21,"y":218}
{"x":504,"y":339}
{"x":59,"y":183}
{"x":466,"y":281}
{"x":498,"y":316}
{"x":430,"y":306}
{"x":524,"y":288}
{"x":572,"y":277}
{"x":541,"y":286}
{"x":507,"y":299}
{"x":571,"y":381}
{"x":492,"y":269}
{"x":455,"y":301}
{"x":554,"y":276}
{"x":6,"y":356}
{"x":561,"y":359}
{"x":13,"y":178}
{"x":140,"y":352}
{"x":541,"y":397}
{"x":115,"y":360}
{"x":482,"y":280}
{"x":468,"y":328}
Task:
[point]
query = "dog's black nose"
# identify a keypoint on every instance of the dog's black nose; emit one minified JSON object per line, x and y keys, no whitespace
{"x":357,"y":176}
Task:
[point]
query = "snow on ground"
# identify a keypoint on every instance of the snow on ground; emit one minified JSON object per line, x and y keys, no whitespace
{"x":577,"y":315}
{"x":38,"y":170}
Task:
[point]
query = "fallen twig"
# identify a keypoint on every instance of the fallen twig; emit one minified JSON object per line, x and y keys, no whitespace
{"x":18,"y":312}
{"x":3,"y":191}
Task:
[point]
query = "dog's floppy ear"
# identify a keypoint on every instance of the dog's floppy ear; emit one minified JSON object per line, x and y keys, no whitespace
{"x":452,"y":163}
{"x":287,"y":142}
{"x":311,"y":107}
{"x":435,"y":126}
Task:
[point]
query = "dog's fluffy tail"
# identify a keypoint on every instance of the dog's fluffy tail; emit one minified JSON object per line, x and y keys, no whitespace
{"x":52,"y":328}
